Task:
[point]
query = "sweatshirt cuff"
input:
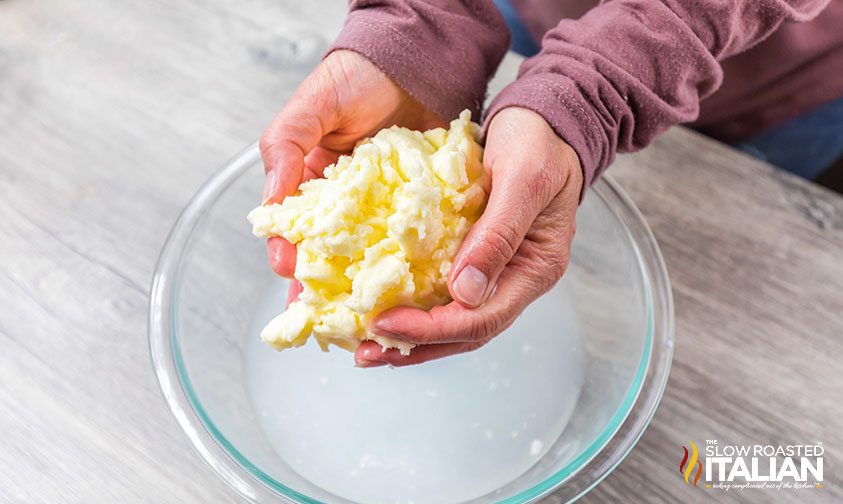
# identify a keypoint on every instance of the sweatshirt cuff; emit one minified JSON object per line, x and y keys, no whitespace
{"x":557,"y":99}
{"x":442,"y":58}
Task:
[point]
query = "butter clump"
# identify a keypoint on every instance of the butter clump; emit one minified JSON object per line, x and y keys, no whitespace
{"x":379,"y":230}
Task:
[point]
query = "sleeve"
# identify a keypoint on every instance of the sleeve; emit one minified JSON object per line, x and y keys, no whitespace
{"x":629,"y":69}
{"x":442,"y":52}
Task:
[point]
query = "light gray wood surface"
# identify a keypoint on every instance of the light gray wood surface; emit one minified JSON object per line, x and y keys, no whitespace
{"x":113,"y":113}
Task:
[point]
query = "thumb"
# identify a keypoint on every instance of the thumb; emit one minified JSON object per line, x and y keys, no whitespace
{"x":493,"y":240}
{"x":292,"y":135}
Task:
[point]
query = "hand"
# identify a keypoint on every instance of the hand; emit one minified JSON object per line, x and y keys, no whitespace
{"x":345,"y":99}
{"x":515,"y":252}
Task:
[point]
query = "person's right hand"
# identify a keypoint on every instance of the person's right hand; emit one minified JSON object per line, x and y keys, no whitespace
{"x":344,"y":100}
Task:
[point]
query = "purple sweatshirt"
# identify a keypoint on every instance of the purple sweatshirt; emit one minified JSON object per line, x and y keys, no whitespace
{"x":623,"y":72}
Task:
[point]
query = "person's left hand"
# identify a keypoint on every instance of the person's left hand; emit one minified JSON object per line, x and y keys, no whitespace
{"x":515,"y":252}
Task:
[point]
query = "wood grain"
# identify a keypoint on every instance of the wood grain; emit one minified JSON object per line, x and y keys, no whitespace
{"x":754,"y":256}
{"x":113,"y":113}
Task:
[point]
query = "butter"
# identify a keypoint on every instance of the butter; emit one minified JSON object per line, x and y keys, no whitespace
{"x":379,"y":230}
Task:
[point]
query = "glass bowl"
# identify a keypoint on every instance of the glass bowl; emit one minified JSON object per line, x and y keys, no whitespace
{"x":205,"y":314}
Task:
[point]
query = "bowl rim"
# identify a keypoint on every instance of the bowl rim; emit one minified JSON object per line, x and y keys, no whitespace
{"x":579,"y":476}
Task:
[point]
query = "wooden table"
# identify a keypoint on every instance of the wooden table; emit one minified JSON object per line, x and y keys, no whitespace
{"x":113,"y":113}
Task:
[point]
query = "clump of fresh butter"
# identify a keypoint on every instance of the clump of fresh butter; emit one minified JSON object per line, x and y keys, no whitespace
{"x":379,"y":230}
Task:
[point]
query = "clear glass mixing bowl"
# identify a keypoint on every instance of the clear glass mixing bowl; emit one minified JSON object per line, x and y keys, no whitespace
{"x":212,"y":274}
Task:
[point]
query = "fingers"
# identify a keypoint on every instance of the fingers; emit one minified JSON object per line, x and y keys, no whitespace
{"x":292,"y":135}
{"x":370,"y":354}
{"x":291,"y":154}
{"x":540,"y":261}
{"x":517,"y":250}
{"x":456,"y":323}
{"x":519,"y":193}
{"x":315,"y":163}
{"x":317,"y":160}
{"x":528,"y":165}
{"x":294,"y":291}
{"x":281,"y":255}
{"x":283,"y":148}
{"x":454,"y":328}
{"x":492,"y":241}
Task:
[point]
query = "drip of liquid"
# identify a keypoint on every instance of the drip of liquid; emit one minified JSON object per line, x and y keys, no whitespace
{"x":445,"y":431}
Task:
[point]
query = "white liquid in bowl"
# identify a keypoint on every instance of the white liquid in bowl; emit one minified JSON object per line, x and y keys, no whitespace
{"x":445,"y":431}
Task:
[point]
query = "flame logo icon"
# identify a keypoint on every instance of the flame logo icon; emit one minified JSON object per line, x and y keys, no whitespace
{"x":686,"y":467}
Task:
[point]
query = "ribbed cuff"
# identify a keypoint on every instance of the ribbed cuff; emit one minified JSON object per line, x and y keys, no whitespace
{"x":444,"y":85}
{"x":558,"y":101}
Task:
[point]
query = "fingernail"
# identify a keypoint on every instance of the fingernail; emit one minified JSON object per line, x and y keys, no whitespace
{"x":470,"y":286}
{"x":369,"y":364}
{"x":269,"y":185}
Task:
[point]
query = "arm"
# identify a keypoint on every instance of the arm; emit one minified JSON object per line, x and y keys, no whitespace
{"x":612,"y":80}
{"x":629,"y":69}
{"x":408,"y":63}
{"x":441,"y":52}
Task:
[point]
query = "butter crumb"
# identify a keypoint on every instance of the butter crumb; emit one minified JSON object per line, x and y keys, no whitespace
{"x":379,"y":230}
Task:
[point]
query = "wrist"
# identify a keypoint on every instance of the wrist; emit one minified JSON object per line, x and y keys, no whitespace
{"x":559,"y":156}
{"x":565,"y":110}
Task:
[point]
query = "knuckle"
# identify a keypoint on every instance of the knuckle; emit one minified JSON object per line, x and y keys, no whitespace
{"x":558,"y":264}
{"x":273,"y":145}
{"x":432,"y":329}
{"x":504,"y":238}
{"x":484,"y":327}
{"x":278,"y":147}
{"x":474,"y":331}
{"x":267,"y":149}
{"x":435,"y":333}
{"x":543,"y":183}
{"x":489,"y":327}
{"x":553,"y":265}
{"x":266,"y":142}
